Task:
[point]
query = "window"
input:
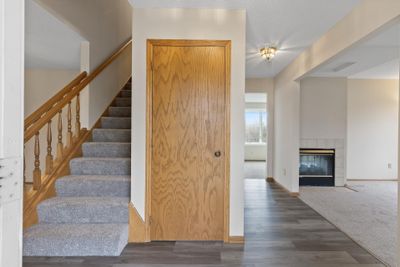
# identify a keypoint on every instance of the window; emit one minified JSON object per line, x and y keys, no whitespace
{"x":256,"y":126}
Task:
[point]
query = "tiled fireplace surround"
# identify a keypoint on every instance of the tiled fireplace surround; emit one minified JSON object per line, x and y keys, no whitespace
{"x":339,"y":146}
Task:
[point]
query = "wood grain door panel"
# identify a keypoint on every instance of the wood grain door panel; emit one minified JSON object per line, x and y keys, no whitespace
{"x":188,"y":127}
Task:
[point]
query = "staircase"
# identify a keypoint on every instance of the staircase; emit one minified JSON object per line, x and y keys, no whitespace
{"x":89,"y":216}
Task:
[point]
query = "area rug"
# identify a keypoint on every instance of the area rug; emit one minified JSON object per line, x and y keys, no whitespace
{"x":365,"y":211}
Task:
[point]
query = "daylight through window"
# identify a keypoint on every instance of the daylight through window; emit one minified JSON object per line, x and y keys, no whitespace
{"x":256,"y":126}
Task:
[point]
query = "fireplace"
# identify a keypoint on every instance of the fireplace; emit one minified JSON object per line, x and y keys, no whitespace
{"x":317,"y":167}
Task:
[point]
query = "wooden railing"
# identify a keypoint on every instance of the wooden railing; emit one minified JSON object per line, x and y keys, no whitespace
{"x":41,"y":121}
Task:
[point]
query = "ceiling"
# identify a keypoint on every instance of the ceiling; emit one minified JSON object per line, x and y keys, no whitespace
{"x":388,"y":70}
{"x":375,"y":58}
{"x":291,"y":25}
{"x":49,"y":43}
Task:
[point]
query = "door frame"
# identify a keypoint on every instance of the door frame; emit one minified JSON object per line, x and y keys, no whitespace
{"x":149,"y":123}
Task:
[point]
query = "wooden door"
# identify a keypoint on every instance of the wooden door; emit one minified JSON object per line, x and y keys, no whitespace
{"x":188,"y":158}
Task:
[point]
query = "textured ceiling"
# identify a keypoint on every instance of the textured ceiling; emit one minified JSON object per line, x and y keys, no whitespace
{"x":292,"y":25}
{"x":49,"y":43}
{"x":375,"y":58}
{"x":387,"y":70}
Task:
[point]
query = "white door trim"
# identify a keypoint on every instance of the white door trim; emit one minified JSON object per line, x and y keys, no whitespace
{"x":12,"y":17}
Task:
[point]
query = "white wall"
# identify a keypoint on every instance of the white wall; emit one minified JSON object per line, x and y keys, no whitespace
{"x":266,"y":85}
{"x":11,"y":128}
{"x":213,"y":24}
{"x":323,"y":108}
{"x":105,"y":25}
{"x":372,"y":129}
{"x":357,"y":25}
{"x":256,"y":152}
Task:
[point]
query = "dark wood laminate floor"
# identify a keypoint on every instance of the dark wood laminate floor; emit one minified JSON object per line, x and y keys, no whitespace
{"x":280,"y":231}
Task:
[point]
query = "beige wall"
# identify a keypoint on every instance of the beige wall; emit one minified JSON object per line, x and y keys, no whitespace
{"x":265,"y":85}
{"x":42,"y":84}
{"x":323,"y":108}
{"x":210,"y":24}
{"x":105,"y":25}
{"x":260,"y":85}
{"x":357,"y":25}
{"x":323,"y":118}
{"x":364,"y":113}
{"x":287,"y":134}
{"x":372,"y":129}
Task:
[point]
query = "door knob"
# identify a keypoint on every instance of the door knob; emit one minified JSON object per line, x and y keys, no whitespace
{"x":217,"y":154}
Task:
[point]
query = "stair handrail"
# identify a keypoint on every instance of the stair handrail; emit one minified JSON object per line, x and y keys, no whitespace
{"x":38,"y":113}
{"x":75,"y":86}
{"x":45,"y":113}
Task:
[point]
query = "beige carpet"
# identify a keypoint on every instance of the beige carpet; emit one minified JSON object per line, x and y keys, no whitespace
{"x":366,"y":211}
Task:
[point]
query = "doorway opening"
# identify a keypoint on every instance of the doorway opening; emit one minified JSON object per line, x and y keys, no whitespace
{"x":256,"y":123}
{"x":349,"y":119}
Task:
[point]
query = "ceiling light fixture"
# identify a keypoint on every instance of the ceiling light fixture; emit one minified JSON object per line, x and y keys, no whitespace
{"x":268,"y":52}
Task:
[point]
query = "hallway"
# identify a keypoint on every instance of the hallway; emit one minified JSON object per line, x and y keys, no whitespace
{"x":255,"y":170}
{"x":280,"y":231}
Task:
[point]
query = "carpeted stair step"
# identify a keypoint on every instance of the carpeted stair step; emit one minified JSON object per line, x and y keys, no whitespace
{"x":119,"y":111}
{"x":111,"y":135}
{"x":58,"y":210}
{"x":75,"y":240}
{"x":126,"y":93}
{"x":90,"y":215}
{"x":100,"y":166}
{"x":106,"y":149}
{"x":123,"y":101}
{"x":115,"y":123}
{"x":93,"y":186}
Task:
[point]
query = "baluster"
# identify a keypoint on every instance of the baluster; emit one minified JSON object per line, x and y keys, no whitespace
{"x":69,"y":132}
{"x":60,"y":145}
{"x":49,"y":156}
{"x":78,"y":118}
{"x":37,"y":173}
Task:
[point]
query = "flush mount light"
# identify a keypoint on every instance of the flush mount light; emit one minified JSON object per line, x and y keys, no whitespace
{"x":268,"y":52}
